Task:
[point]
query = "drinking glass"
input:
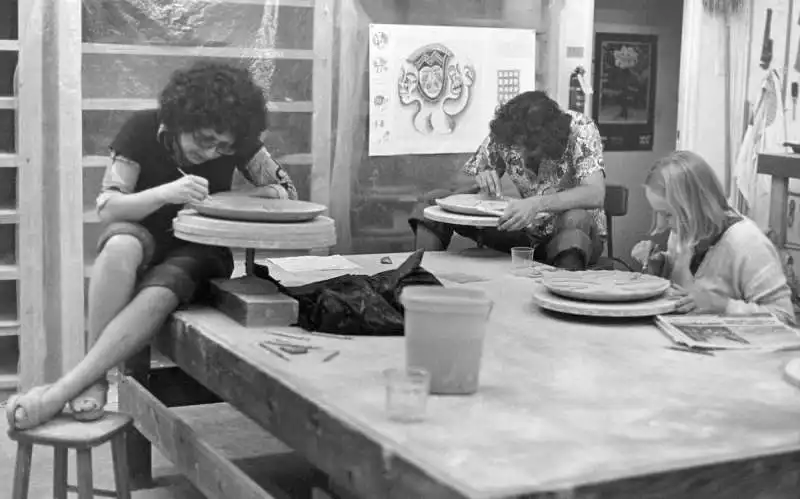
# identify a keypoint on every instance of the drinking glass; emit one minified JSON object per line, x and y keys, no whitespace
{"x":521,"y":257}
{"x":407,"y":393}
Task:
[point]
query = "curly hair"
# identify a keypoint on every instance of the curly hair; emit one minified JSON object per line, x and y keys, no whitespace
{"x":218,"y":96}
{"x":532,"y":120}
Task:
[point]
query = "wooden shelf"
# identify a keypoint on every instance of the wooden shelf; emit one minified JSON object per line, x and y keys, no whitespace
{"x":197,"y":51}
{"x":295,"y":159}
{"x":10,"y":45}
{"x":8,"y":216}
{"x":298,"y":159}
{"x":9,"y":381}
{"x":9,"y":325}
{"x":7,"y":102}
{"x":8,"y":160}
{"x":309,"y":4}
{"x":9,"y":272}
{"x":144,"y":104}
{"x":90,"y":216}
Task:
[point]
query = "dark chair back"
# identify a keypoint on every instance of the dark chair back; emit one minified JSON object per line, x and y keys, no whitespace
{"x":616,"y":205}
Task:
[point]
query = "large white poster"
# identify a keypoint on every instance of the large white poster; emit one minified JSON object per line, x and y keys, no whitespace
{"x":434,"y":89}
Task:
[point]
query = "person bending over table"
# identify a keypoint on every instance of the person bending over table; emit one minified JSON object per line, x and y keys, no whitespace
{"x":207,"y":126}
{"x":555,"y":160}
{"x":721,"y":259}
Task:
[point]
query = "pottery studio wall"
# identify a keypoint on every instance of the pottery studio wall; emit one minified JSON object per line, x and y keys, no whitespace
{"x":662,"y":18}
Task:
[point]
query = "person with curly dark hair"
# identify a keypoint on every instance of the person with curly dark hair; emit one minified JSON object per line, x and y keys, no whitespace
{"x":554,"y":158}
{"x":203,"y":138}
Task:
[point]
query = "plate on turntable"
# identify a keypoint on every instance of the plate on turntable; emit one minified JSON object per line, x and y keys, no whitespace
{"x":605,"y":285}
{"x":473,"y":204}
{"x":664,"y":304}
{"x":250,"y":208}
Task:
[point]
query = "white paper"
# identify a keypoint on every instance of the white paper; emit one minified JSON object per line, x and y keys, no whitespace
{"x":434,"y":89}
{"x":314,"y":263}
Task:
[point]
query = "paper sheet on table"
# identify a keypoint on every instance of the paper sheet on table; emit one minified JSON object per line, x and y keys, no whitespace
{"x":314,"y":263}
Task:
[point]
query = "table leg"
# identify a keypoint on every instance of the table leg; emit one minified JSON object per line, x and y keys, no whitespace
{"x":139,"y":450}
{"x":249,"y":261}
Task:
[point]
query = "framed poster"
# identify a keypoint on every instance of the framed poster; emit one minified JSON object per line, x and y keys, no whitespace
{"x":434,"y":89}
{"x":625,"y":90}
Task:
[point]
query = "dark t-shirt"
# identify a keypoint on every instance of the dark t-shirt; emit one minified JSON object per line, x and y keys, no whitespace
{"x":138,"y":140}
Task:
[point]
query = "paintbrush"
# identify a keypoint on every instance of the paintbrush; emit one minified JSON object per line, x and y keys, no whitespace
{"x":208,"y":198}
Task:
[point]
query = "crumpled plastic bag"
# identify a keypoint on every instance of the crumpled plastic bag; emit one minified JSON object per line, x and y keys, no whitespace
{"x":356,"y":305}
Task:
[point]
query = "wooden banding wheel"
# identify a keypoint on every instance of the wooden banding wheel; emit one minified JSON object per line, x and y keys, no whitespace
{"x":437,"y":214}
{"x":318,"y":233}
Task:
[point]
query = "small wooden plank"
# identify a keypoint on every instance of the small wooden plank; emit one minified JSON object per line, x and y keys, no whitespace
{"x":8,"y":102}
{"x":212,"y":473}
{"x":9,"y":216}
{"x":321,"y":121}
{"x":779,"y":165}
{"x":254,"y":302}
{"x":197,"y":51}
{"x":9,"y":381}
{"x":30,"y":180}
{"x":8,"y":160}
{"x":10,"y":45}
{"x":9,"y":272}
{"x":136,"y":104}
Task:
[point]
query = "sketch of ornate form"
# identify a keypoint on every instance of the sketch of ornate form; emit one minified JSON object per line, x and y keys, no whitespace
{"x":433,"y":81}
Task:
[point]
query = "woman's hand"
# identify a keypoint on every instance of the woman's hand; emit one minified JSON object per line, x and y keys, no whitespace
{"x":489,"y":183}
{"x":187,"y":189}
{"x":703,"y":298}
{"x":520,"y":213}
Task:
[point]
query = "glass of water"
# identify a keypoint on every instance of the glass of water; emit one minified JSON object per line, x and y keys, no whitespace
{"x":407,"y":393}
{"x":522,"y":258}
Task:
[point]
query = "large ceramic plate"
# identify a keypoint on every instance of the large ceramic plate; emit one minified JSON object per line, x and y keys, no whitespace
{"x":663,"y":304}
{"x":605,"y":285}
{"x":248,"y":208}
{"x":473,"y":204}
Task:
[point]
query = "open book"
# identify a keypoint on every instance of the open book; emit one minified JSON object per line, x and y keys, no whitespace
{"x":751,"y":332}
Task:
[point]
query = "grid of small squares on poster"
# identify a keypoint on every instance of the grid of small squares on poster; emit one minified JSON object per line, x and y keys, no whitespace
{"x":507,"y":85}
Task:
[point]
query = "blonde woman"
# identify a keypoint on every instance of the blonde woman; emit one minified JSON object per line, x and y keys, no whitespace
{"x":721,"y":259}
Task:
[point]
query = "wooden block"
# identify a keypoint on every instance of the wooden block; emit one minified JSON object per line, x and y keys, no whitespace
{"x":253,"y":302}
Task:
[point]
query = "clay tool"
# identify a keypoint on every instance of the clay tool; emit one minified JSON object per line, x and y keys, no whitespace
{"x":691,"y":350}
{"x":291,"y":336}
{"x":331,"y":356}
{"x":273,"y":351}
{"x":794,"y":100}
{"x":326,"y":335}
{"x":208,"y":198}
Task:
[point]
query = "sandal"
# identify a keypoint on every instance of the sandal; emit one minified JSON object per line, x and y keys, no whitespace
{"x":90,"y":405}
{"x":26,"y":410}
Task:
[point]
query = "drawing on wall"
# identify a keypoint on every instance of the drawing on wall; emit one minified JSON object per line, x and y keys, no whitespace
{"x":440,"y":85}
{"x":507,"y":85}
{"x":433,"y":82}
{"x":625,"y":81}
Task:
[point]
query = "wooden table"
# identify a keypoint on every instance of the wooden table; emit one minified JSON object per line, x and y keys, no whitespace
{"x":566,"y":408}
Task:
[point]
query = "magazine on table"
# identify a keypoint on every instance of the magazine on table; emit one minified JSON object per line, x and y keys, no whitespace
{"x":721,"y":332}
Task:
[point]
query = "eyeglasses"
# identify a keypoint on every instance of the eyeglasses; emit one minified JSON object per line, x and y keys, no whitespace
{"x":209,"y":142}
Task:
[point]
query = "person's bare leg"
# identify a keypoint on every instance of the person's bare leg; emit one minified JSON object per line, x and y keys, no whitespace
{"x":110,"y":289}
{"x":125,"y":335}
{"x":427,"y":240}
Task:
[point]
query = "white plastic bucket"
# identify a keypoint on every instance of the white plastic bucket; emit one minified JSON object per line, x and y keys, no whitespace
{"x":444,"y":330}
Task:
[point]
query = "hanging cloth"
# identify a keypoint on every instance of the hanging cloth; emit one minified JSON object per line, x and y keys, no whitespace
{"x":766,"y":134}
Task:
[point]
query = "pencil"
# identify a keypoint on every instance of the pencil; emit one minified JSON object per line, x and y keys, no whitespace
{"x":273,"y":351}
{"x":331,"y":356}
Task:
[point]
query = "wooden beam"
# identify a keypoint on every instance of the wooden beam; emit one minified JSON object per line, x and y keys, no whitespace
{"x":197,"y":51}
{"x":30,"y":159}
{"x":779,"y":165}
{"x":132,"y":104}
{"x":208,"y":470}
{"x":321,"y":143}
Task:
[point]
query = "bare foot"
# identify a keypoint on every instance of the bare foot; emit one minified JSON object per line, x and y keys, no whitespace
{"x":90,"y":405}
{"x":29,"y":410}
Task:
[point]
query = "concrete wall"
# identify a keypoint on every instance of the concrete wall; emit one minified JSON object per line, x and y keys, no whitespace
{"x":662,"y":18}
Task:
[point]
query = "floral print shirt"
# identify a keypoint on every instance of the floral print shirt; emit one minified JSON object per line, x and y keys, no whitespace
{"x":583,"y":157}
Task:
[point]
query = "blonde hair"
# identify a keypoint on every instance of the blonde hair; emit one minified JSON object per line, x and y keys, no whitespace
{"x":693,"y":192}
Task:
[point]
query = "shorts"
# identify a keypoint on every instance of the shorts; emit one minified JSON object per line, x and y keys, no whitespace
{"x":182,"y":267}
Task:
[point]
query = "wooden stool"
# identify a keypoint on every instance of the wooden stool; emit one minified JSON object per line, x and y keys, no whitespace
{"x":64,"y":433}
